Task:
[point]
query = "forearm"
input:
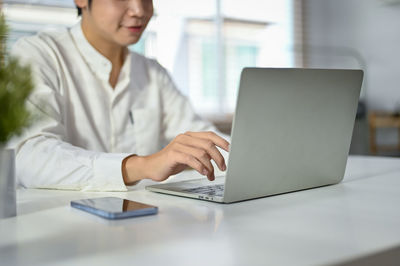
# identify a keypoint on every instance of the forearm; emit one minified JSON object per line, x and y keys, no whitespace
{"x":44,"y":162}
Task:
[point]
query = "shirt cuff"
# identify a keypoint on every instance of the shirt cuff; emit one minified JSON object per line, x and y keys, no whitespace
{"x":107,"y":172}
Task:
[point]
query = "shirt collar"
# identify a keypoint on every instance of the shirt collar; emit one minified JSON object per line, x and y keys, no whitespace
{"x":98,"y":63}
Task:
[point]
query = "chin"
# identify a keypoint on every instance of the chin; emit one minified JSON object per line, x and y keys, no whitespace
{"x":129,"y":42}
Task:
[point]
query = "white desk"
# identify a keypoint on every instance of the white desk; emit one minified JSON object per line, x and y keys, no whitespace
{"x":329,"y":225}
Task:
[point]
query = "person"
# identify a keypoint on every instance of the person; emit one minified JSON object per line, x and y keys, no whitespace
{"x":109,"y":117}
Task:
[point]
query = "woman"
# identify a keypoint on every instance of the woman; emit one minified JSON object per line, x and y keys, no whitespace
{"x":103,"y":104}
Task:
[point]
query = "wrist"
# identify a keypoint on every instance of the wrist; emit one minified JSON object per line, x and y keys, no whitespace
{"x":133,"y":169}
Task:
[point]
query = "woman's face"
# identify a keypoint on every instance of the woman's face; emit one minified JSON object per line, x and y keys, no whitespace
{"x":120,"y":22}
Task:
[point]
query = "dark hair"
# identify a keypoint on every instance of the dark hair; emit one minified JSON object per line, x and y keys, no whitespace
{"x":80,"y":9}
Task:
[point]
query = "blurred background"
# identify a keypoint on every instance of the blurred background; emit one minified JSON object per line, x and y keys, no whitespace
{"x":205,"y":44}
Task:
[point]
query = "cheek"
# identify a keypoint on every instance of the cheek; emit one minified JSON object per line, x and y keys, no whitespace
{"x":148,"y":9}
{"x":109,"y":17}
{"x":149,"y":15}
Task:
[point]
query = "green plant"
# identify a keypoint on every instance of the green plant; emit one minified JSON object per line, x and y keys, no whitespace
{"x":15,"y":86}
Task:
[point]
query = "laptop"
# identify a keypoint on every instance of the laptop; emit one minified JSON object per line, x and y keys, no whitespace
{"x":291,"y":131}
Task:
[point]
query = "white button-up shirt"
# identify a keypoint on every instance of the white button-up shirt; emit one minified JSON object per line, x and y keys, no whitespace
{"x":85,"y":127}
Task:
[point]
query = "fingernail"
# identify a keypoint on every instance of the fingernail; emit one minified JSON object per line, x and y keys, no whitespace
{"x":224,"y":167}
{"x":205,"y":172}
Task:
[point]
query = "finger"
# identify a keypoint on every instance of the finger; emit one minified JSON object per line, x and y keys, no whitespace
{"x":208,"y":146}
{"x":209,"y":135}
{"x":201,"y":155}
{"x":184,"y":158}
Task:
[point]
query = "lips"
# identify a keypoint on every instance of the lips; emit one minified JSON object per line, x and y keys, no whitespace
{"x":134,"y":29}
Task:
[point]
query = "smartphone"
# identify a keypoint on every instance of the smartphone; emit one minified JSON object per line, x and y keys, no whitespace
{"x":114,"y":208}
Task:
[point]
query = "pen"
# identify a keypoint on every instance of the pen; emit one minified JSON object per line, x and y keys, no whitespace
{"x":131,"y":117}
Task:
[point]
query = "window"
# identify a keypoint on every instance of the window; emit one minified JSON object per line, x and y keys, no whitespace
{"x":204,"y":44}
{"x":28,"y":17}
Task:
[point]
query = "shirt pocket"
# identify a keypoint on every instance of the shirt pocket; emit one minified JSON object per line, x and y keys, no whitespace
{"x":147,"y":130}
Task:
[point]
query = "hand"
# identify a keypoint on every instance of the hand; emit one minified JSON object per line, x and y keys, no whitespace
{"x":192,"y":149}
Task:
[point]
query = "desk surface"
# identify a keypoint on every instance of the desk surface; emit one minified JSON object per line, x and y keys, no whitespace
{"x":328,"y":225}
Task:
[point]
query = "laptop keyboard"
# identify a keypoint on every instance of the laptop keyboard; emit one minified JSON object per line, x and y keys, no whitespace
{"x":215,"y":190}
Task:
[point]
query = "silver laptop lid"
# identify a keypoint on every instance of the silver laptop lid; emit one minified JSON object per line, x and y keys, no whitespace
{"x":292,"y":130}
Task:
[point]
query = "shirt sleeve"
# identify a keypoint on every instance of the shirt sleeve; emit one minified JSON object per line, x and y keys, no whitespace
{"x":43,"y":158}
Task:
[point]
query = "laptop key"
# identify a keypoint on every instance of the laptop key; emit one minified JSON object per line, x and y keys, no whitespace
{"x":215,"y":190}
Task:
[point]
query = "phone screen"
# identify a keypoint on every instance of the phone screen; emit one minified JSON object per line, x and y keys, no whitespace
{"x":114,"y":208}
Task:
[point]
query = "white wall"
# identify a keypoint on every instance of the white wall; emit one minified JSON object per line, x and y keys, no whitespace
{"x":364,"y":33}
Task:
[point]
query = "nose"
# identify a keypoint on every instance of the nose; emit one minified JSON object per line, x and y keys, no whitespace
{"x":136,"y":8}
